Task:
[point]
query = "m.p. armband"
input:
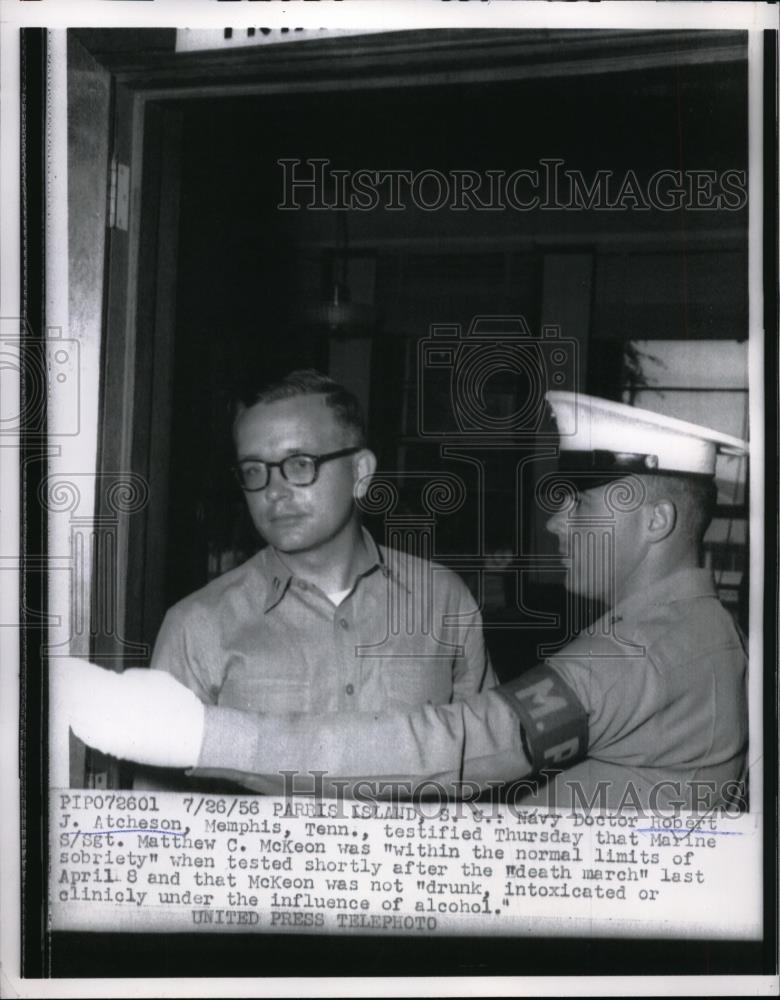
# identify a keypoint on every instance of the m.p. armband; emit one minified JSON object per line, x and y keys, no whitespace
{"x":553,"y":721}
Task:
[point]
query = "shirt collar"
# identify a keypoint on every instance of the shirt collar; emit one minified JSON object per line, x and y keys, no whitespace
{"x":682,"y":585}
{"x":278,"y":576}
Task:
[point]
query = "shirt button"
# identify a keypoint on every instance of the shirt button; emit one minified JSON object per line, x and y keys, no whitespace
{"x":344,"y":623}
{"x":350,"y":689}
{"x":303,"y":585}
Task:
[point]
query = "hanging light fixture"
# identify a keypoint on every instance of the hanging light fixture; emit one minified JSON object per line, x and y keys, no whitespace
{"x":338,"y":314}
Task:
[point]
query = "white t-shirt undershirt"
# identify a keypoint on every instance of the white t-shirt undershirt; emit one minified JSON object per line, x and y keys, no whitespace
{"x":337,"y":596}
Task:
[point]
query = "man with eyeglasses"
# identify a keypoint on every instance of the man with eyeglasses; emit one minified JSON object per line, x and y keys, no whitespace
{"x":322,"y":619}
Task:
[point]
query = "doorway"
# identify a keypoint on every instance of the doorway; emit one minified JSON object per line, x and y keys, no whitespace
{"x":210,"y":284}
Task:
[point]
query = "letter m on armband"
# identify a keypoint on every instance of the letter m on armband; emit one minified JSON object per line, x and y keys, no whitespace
{"x":553,"y":722}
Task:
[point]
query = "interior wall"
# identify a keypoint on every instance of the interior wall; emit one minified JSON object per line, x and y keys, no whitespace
{"x":251,"y":263}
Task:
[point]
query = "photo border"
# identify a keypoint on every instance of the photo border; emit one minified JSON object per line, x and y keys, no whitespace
{"x":124,"y":955}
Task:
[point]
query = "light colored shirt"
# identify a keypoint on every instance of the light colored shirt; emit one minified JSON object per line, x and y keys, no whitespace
{"x":258,"y":638}
{"x":661,"y":679}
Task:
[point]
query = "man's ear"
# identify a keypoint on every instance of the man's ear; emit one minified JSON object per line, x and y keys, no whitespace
{"x":364,"y":466}
{"x":663,"y":518}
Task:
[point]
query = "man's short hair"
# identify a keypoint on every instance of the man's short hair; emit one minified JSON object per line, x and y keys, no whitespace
{"x":309,"y":382}
{"x":694,"y":498}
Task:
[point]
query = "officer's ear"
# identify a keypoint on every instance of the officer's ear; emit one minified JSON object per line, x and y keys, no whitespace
{"x":363,"y":467}
{"x":663,"y":518}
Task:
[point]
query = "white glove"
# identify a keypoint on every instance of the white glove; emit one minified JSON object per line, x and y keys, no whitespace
{"x":142,"y":715}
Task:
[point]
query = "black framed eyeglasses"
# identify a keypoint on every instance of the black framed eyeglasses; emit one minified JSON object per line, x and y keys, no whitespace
{"x":299,"y":470}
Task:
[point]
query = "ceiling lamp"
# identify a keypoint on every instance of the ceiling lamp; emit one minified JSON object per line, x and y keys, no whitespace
{"x":338,"y":314}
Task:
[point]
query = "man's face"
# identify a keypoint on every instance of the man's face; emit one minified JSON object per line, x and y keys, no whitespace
{"x":602,"y":535}
{"x":298,"y":518}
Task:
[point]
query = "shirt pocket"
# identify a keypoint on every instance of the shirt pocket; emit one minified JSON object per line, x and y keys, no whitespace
{"x":411,"y":683}
{"x":252,"y":687}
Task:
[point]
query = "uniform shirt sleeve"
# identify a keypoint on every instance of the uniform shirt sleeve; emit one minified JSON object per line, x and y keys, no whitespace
{"x":476,"y":741}
{"x":620,"y":692}
{"x":676,"y":699}
{"x":184,"y":650}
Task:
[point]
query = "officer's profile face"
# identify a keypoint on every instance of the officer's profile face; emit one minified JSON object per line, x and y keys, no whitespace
{"x":296,"y":518}
{"x":599,"y":535}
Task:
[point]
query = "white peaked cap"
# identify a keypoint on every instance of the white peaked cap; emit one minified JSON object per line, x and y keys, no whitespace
{"x":603,"y":435}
